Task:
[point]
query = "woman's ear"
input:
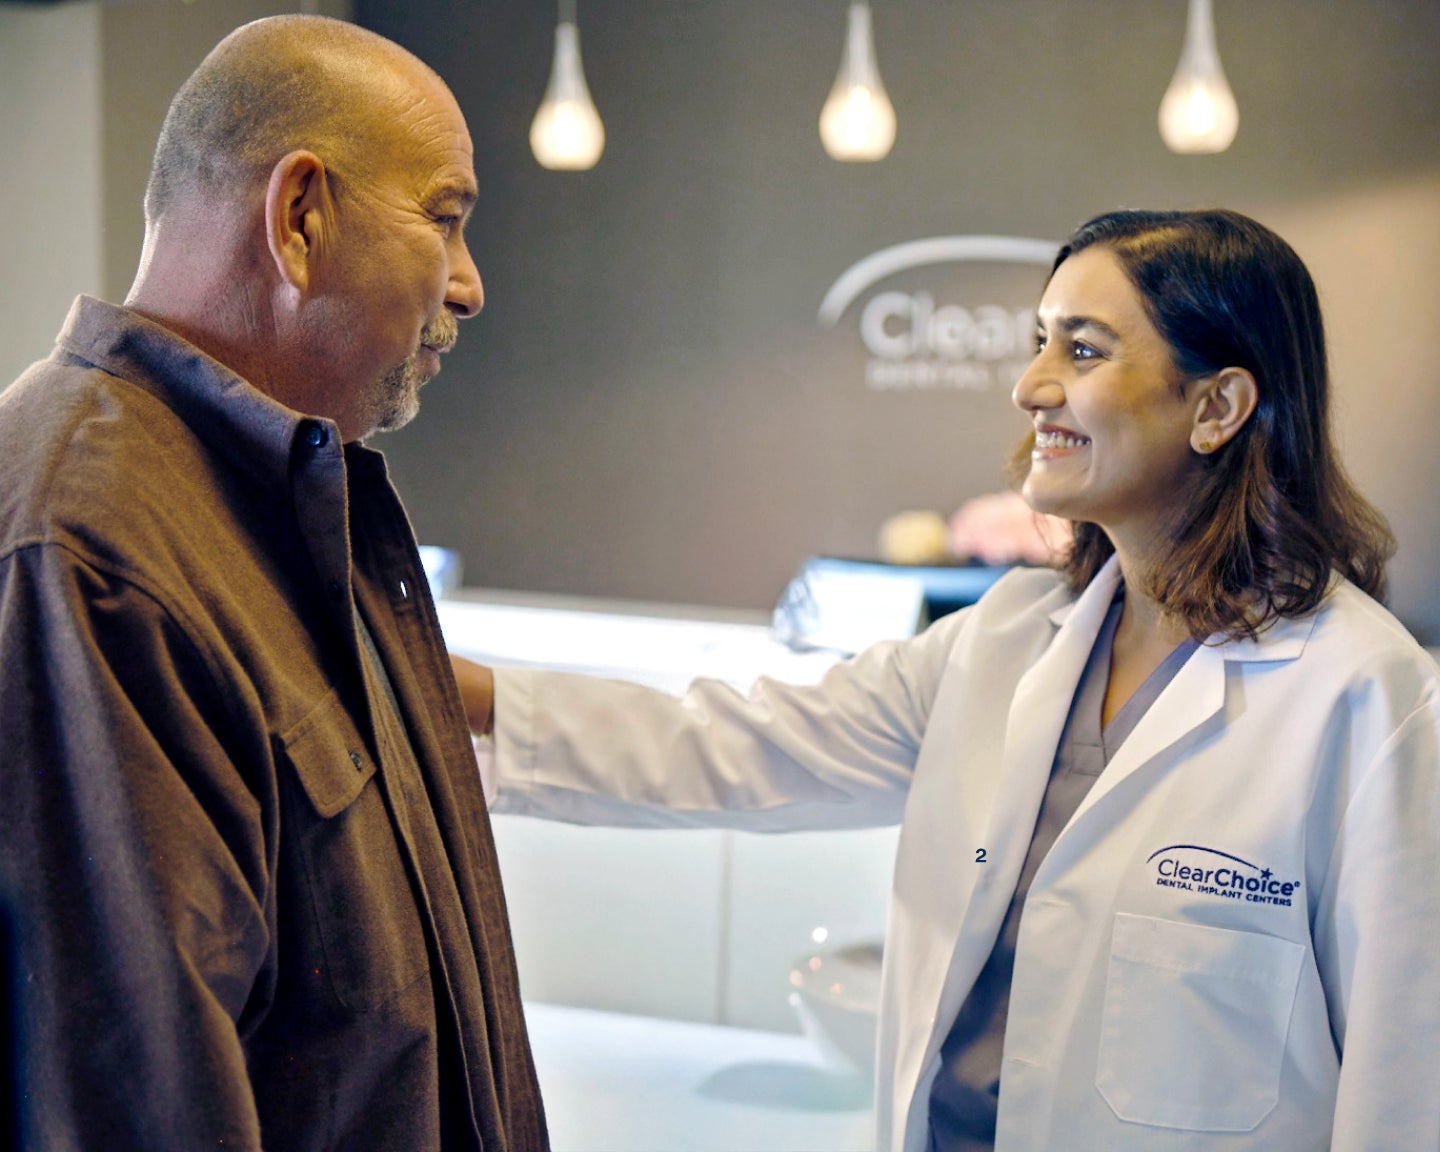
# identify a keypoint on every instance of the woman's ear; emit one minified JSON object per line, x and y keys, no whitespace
{"x":1227,"y":400}
{"x":298,"y":211}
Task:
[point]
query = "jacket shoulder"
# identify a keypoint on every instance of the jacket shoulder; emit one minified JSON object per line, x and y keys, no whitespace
{"x":88,"y":459}
{"x":1356,"y":630}
{"x":1023,"y":594}
{"x":1011,"y":621}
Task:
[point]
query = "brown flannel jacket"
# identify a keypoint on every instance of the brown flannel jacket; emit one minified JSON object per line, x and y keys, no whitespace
{"x":254,"y":907}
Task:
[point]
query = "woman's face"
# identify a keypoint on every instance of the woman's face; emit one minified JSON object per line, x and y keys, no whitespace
{"x":1112,"y":424}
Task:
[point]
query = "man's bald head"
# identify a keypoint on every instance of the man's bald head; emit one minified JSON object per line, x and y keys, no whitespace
{"x":305,"y":219}
{"x":271,"y":87}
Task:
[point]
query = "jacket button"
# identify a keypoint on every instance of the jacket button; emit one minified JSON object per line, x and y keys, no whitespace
{"x":335,"y":589}
{"x":358,"y":761}
{"x":315,"y":435}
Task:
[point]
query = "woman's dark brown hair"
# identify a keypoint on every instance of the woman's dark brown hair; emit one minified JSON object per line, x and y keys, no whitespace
{"x":1273,"y":513}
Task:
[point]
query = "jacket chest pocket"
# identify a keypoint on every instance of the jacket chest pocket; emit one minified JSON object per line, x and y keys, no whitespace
{"x":1194,"y":1024}
{"x":360,"y":930}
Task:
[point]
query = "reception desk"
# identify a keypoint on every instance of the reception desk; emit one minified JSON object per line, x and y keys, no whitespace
{"x":622,"y":1083}
{"x":663,"y":645}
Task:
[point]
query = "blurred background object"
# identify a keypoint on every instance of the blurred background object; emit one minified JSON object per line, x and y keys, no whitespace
{"x":1000,"y":528}
{"x":913,"y":538}
{"x":837,"y":1000}
{"x":444,"y":568}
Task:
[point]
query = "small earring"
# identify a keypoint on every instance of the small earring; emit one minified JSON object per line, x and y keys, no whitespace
{"x":1206,"y":446}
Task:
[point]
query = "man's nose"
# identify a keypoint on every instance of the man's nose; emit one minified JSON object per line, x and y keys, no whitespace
{"x":466,"y":295}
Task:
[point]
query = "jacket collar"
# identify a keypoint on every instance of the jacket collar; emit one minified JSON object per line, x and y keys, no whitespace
{"x":254,"y":433}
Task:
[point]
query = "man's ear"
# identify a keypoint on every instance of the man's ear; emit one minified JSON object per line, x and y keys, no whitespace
{"x":298,"y":212}
{"x":1225,"y":402}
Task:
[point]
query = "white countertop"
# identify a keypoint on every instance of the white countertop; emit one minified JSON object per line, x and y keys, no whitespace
{"x":616,"y":1083}
{"x":663,"y":645}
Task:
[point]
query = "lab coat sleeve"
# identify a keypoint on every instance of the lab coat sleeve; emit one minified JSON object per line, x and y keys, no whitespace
{"x":838,"y":754}
{"x":1375,"y":945}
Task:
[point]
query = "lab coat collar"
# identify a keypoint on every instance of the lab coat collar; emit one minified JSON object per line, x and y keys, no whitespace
{"x":1183,"y":713}
{"x":1191,"y":704}
{"x":1284,"y":639}
{"x":1099,"y":592}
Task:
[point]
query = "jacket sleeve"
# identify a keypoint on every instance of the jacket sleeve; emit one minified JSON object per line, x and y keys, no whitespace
{"x":134,"y":852}
{"x":838,"y":754}
{"x":1375,"y":944}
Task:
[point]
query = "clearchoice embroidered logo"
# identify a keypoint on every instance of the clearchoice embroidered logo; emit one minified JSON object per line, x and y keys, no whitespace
{"x":1210,"y":872}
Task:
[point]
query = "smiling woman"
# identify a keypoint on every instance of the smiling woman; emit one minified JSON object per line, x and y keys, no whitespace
{"x":1207,"y":683}
{"x":1112,"y":419}
{"x":1261,"y":510}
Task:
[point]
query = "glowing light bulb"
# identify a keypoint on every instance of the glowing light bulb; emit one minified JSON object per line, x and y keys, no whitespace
{"x":1198,"y":112}
{"x":566,"y":133}
{"x":858,"y":120}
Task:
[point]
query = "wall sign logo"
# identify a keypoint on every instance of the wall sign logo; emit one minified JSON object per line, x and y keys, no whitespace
{"x":918,"y":339}
{"x":1210,"y":872}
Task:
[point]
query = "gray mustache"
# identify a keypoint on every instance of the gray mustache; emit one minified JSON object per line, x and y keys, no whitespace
{"x":442,"y":332}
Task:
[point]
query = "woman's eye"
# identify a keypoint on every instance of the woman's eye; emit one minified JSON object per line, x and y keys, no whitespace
{"x":1082,"y":351}
{"x":1039,"y":343}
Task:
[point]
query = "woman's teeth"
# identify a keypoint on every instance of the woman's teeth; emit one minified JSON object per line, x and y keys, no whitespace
{"x":1059,"y":440}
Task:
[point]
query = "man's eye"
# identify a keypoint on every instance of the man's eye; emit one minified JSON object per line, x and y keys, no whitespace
{"x":448,"y":223}
{"x":1082,"y":351}
{"x":1039,"y":343}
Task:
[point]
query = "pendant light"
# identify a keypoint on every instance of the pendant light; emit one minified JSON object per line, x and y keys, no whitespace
{"x":566,"y":133}
{"x":1198,"y":113}
{"x":858,"y":120}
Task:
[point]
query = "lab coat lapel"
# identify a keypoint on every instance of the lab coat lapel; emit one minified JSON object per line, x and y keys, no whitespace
{"x":1012,"y":796}
{"x":1038,"y":710}
{"x":1183,"y":711}
{"x":1177,"y":716}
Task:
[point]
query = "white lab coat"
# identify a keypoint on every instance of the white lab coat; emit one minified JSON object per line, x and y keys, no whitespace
{"x":1230,"y":945}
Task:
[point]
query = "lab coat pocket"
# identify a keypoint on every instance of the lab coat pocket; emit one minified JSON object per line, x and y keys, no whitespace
{"x":1194,"y":1024}
{"x":362,"y":932}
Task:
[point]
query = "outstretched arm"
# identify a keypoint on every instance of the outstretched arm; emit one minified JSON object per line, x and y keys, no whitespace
{"x":477,"y":691}
{"x":781,"y":757}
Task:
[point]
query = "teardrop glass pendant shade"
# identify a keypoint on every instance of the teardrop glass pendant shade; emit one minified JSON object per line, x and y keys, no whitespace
{"x":858,"y":120}
{"x":1198,"y":112}
{"x":566,"y":133}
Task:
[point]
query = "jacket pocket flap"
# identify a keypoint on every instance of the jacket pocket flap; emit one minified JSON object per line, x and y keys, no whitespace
{"x":329,"y":756}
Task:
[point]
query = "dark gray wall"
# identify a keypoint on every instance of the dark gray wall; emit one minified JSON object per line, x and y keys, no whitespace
{"x":648,"y":408}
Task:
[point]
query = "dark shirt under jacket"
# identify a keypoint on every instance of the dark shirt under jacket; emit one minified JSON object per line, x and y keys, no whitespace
{"x":257,"y":903}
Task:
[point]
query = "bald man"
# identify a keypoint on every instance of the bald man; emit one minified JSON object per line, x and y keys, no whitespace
{"x":256,"y":892}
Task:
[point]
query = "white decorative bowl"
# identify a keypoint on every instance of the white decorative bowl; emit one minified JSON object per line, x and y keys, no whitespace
{"x":837,"y":998}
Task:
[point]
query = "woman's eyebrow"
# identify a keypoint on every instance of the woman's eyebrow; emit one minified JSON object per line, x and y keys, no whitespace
{"x":1069,"y":325}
